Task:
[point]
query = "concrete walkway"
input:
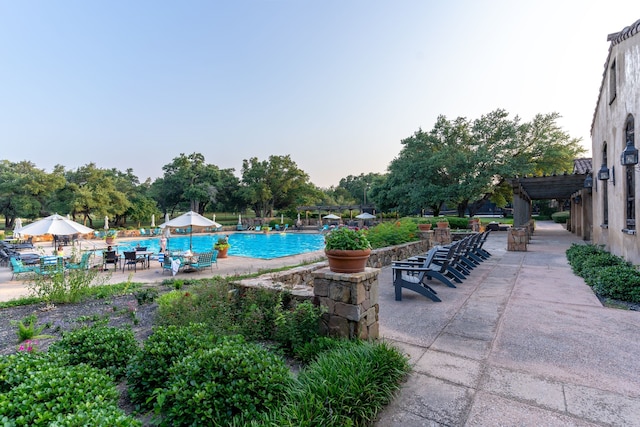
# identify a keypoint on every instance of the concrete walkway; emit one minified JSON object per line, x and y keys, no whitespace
{"x":522,"y":342}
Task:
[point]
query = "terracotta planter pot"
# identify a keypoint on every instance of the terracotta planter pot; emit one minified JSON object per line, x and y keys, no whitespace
{"x":222,"y":253}
{"x":443,"y":224}
{"x":424,"y":227}
{"x":109,"y":240}
{"x":341,"y":261}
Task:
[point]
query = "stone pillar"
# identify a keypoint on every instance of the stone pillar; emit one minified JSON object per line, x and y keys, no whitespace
{"x":442,"y":236}
{"x":517,"y":239}
{"x":351,"y":301}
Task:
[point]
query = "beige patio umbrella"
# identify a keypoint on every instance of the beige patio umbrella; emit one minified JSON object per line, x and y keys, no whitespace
{"x":54,"y":224}
{"x":190,"y":219}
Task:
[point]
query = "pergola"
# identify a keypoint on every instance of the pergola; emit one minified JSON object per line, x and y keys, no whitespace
{"x":526,"y":189}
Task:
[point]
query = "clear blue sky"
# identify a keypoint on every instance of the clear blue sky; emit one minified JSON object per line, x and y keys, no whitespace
{"x":334,"y":83}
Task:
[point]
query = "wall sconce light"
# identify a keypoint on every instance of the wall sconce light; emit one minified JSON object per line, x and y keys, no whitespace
{"x":588,"y":181}
{"x":603,"y":173}
{"x":577,"y":199}
{"x":629,"y":155}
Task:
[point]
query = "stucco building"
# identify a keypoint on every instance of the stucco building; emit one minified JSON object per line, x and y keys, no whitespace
{"x":615,"y":155}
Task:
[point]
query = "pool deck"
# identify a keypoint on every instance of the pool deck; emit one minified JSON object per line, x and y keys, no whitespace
{"x":230,"y":266}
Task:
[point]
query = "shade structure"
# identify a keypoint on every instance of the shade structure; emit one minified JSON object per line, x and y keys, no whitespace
{"x":331,"y":216}
{"x":17,"y":227}
{"x":239,"y":219}
{"x":54,"y":224}
{"x":365,"y":215}
{"x":106,"y":222}
{"x":190,"y":219}
{"x":153,"y":220}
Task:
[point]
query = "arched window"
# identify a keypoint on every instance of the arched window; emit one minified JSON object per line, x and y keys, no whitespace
{"x":605,"y":189}
{"x":630,"y":187}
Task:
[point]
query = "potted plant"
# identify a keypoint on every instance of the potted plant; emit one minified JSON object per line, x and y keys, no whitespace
{"x":347,"y":250}
{"x":442,"y":222}
{"x":222,"y":246}
{"x":424,"y":225}
{"x":110,"y":236}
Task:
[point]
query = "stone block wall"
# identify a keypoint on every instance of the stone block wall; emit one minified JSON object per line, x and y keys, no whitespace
{"x":351,"y":301}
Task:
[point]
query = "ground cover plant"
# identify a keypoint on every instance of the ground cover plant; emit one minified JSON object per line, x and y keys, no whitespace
{"x":609,"y":275}
{"x":258,"y":349}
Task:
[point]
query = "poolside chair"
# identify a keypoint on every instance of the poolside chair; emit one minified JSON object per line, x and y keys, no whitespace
{"x":50,"y":265}
{"x":83,"y":264}
{"x":206,"y":259}
{"x":258,"y":228}
{"x":17,"y":268}
{"x":166,"y":264}
{"x":412,"y":276}
{"x":110,"y":257}
{"x":143,"y":232}
{"x":131,"y":258}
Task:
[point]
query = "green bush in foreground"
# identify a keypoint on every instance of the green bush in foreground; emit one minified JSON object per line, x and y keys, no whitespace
{"x":43,"y":392}
{"x":148,"y":369}
{"x":99,"y":346}
{"x":232,"y":381}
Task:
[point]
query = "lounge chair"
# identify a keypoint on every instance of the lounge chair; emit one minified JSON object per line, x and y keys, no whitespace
{"x":18,"y":268}
{"x":83,"y":264}
{"x":412,"y":276}
{"x":50,"y":265}
{"x":143,"y":232}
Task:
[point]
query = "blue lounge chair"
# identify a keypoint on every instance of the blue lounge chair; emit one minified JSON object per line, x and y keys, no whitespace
{"x":83,"y":264}
{"x":50,"y":265}
{"x":19,"y":268}
{"x":143,"y":232}
{"x":205,"y":260}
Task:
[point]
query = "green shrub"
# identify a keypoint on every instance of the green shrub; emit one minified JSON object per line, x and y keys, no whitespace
{"x":96,"y":417}
{"x":620,"y":282}
{"x":298,"y":326}
{"x":458,"y":223}
{"x":392,"y":233}
{"x":609,"y":275}
{"x":148,"y":369}
{"x":18,"y":367}
{"x":347,"y":239}
{"x":309,"y":351}
{"x":256,"y":312}
{"x":346,"y":387}
{"x":561,"y":217}
{"x":231,"y":382}
{"x":48,"y":393}
{"x":70,"y":287}
{"x":99,"y":346}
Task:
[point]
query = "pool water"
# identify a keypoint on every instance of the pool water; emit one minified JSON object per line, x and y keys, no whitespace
{"x":252,"y":245}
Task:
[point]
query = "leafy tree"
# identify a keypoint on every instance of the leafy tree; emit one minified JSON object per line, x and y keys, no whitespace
{"x":95,"y":193}
{"x":25,"y":190}
{"x":188,"y":183}
{"x":272,"y":184}
{"x":467,"y":162}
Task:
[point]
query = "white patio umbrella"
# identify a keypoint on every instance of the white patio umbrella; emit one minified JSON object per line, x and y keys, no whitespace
{"x":365,"y":215}
{"x":331,"y":216}
{"x":214,"y":217}
{"x":153,"y":220}
{"x":190,"y":219}
{"x":54,"y":224}
{"x":166,"y":217}
{"x":281,"y":218}
{"x":239,"y":219}
{"x":106,"y":222}
{"x":16,"y":227}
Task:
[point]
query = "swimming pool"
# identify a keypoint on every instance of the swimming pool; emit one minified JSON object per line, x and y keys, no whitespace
{"x":252,"y":245}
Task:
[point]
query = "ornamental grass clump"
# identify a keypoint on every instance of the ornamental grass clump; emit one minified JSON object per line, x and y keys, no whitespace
{"x":346,"y":239}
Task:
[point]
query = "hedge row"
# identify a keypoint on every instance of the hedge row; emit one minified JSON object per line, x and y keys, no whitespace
{"x":609,"y":275}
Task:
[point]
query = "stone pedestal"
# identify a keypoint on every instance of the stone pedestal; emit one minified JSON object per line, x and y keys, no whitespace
{"x":442,"y":236}
{"x":517,"y":239}
{"x":351,"y":301}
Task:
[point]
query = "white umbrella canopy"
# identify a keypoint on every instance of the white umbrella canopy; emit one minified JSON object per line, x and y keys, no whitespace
{"x":189,"y":219}
{"x":106,"y":222}
{"x":153,"y":220}
{"x":331,"y":216}
{"x":16,"y":227}
{"x":365,"y":215}
{"x":54,"y":224}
